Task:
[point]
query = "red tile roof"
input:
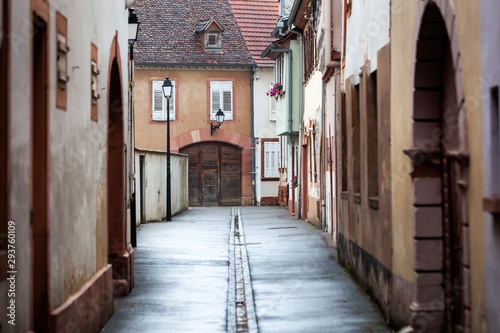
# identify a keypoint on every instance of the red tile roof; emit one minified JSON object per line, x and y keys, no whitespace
{"x":167,"y":33}
{"x":257,"y":19}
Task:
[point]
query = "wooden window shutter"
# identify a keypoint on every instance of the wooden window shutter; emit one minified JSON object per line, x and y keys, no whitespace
{"x":215,"y":92}
{"x":172,"y":101}
{"x":221,"y":93}
{"x":272,"y":106}
{"x":157,"y":102}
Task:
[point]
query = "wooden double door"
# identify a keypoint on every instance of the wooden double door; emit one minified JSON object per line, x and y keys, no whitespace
{"x":214,"y":174}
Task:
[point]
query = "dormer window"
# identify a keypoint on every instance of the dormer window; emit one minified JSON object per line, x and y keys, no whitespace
{"x":212,"y":40}
{"x":210,"y":32}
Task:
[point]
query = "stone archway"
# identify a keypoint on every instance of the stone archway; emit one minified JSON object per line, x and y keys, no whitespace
{"x":214,"y":174}
{"x":118,"y":256}
{"x":440,"y":165}
{"x":228,"y":137}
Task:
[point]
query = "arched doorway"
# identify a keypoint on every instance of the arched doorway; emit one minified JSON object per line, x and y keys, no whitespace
{"x":115,"y":175}
{"x":440,"y":165}
{"x":214,"y":174}
{"x":40,"y":157}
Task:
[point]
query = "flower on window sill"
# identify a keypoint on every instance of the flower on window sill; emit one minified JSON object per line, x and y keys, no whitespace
{"x":276,"y":90}
{"x":294,"y":183}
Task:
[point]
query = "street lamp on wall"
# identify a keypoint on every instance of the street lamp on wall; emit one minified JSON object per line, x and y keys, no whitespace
{"x":133,"y":30}
{"x":167,"y":92}
{"x":219,"y":117}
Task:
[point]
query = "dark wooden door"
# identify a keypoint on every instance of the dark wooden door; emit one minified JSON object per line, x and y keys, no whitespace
{"x":214,"y":174}
{"x":210,"y":175}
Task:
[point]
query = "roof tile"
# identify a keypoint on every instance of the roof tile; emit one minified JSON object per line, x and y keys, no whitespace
{"x":257,"y":19}
{"x":167,"y":33}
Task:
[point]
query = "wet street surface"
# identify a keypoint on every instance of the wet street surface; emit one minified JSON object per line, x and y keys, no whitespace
{"x":245,"y":269}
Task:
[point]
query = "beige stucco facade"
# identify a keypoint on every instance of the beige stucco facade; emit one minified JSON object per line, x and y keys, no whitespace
{"x":192,"y":103}
{"x":462,"y":19}
{"x":192,"y":124}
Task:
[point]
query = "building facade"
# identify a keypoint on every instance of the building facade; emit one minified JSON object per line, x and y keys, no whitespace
{"x":402,"y":90}
{"x":205,"y":56}
{"x":256,"y":21}
{"x":437,"y":163}
{"x":64,"y":165}
{"x":363,"y":186}
{"x":490,"y":35}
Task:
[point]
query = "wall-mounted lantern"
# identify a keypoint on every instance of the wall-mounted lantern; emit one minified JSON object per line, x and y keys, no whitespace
{"x":133,"y":30}
{"x":219,"y":117}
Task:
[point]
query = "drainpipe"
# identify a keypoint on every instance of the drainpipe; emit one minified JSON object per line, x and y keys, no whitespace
{"x":328,"y":37}
{"x":329,"y":65}
{"x":299,"y":163}
{"x":252,"y":106}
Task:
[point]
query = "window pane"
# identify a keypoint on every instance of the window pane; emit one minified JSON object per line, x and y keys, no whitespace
{"x":227,"y":101}
{"x":215,"y":100}
{"x":212,"y":40}
{"x":158,"y":100}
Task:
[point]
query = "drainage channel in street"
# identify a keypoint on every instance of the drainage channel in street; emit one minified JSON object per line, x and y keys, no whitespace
{"x":241,"y":308}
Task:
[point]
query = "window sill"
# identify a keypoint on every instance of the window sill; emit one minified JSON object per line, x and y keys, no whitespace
{"x":373,"y":202}
{"x":356,"y":197}
{"x":344,"y":195}
{"x":268,"y":179}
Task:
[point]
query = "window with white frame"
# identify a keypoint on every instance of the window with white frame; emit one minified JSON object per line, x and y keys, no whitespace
{"x":213,"y":39}
{"x":279,"y":71}
{"x":272,"y":106}
{"x":159,"y":102}
{"x":270,"y":158}
{"x":221,"y":97}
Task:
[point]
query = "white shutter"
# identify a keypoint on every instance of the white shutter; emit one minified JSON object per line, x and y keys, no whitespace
{"x":284,"y":66}
{"x":158,"y":101}
{"x":215,"y":89}
{"x":221,"y":97}
{"x":172,"y":102}
{"x":272,"y":106}
{"x":227,"y":98}
{"x":271,"y":159}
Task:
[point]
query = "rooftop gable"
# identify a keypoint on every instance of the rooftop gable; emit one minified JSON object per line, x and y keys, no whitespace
{"x":168,"y":33}
{"x":206,"y":25}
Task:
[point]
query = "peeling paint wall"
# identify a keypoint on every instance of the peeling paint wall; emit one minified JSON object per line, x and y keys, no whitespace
{"x":77,"y":146}
{"x":155,"y":183}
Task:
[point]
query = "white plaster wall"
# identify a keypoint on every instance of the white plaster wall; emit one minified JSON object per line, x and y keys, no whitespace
{"x":264,"y":129}
{"x":490,"y":27}
{"x":20,"y":164}
{"x":313,"y":94}
{"x":78,"y":145}
{"x":367,"y":31}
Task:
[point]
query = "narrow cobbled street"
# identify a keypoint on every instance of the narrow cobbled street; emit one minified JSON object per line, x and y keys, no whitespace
{"x":248,"y":269}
